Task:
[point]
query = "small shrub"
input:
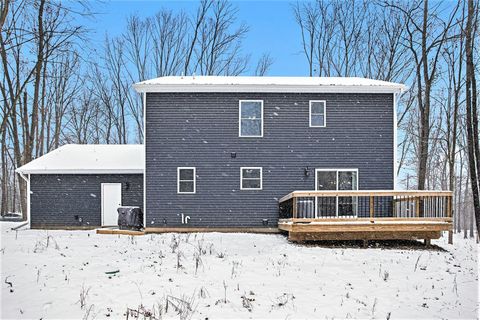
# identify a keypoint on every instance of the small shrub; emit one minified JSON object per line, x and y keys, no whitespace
{"x":385,"y":275}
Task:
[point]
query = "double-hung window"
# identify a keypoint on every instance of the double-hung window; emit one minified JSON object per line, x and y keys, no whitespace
{"x":250,"y":118}
{"x":186,"y":180}
{"x":250,"y":178}
{"x":317,"y":113}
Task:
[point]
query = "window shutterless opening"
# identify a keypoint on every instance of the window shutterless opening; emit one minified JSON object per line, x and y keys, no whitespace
{"x":251,"y":178}
{"x":186,"y":180}
{"x":318,"y":113}
{"x":250,"y":118}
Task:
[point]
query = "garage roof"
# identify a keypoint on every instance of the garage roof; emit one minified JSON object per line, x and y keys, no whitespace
{"x":89,"y":159}
{"x":268,"y":84}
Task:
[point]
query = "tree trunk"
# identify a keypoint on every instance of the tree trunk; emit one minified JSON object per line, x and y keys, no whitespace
{"x":425,"y":108}
{"x":472,"y":115}
{"x":4,"y":204}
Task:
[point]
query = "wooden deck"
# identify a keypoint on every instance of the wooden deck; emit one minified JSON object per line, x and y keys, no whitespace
{"x":365,"y":215}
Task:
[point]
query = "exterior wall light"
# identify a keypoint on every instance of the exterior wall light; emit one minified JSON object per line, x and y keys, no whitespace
{"x":306,"y":172}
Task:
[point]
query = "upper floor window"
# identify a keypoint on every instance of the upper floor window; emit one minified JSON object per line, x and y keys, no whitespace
{"x":251,"y":178}
{"x":250,"y":118}
{"x":317,"y":113}
{"x":186,"y":180}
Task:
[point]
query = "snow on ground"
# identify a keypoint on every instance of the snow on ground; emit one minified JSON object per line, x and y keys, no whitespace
{"x":62,"y":274}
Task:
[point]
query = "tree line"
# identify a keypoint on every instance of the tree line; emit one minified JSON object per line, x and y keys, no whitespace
{"x":56,"y":89}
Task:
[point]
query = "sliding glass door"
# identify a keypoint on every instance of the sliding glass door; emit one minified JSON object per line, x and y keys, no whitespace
{"x":336,"y":179}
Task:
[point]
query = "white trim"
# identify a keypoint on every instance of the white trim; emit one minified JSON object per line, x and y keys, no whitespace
{"x":240,"y":119}
{"x":27,"y":180}
{"x":251,"y":88}
{"x":336,"y":185}
{"x":335,"y":169}
{"x":324,"y":113}
{"x":82,"y":171}
{"x":395,"y":164}
{"x":101,"y":198}
{"x":241,"y":178}
{"x":29,"y":203}
{"x":144,"y":101}
{"x":194,"y":180}
{"x":266,"y":84}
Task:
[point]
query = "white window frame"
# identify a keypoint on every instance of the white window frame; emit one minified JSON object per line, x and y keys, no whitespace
{"x":324,"y":113}
{"x":241,"y":178}
{"x":337,"y":171}
{"x":240,"y":119}
{"x":194,"y":180}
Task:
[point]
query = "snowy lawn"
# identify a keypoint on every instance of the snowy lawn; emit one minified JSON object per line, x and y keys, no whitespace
{"x":63,"y":274}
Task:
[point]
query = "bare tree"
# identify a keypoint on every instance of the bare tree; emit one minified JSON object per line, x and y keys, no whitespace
{"x":33,"y":34}
{"x":426,"y":36}
{"x":263,"y":64}
{"x":219,"y":45}
{"x":196,"y":23}
{"x":471,"y":108}
{"x":307,"y":17}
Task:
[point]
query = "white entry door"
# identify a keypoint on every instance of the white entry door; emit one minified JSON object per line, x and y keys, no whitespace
{"x":111,"y":200}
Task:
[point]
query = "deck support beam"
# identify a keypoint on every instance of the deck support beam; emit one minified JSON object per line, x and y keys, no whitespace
{"x":363,"y":236}
{"x":365,"y":243}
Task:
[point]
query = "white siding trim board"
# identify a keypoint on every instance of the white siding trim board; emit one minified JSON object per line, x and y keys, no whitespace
{"x":144,"y":101}
{"x":395,"y":163}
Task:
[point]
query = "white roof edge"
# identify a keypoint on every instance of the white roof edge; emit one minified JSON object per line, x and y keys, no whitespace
{"x":79,"y":171}
{"x":142,"y":88}
{"x":268,"y":84}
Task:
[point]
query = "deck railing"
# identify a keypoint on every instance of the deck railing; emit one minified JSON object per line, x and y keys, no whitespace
{"x":368,"y":204}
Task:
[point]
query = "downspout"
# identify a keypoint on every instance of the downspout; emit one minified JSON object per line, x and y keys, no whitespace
{"x":144,"y":102}
{"x":396,"y":95}
{"x":27,"y":180}
{"x":395,"y":163}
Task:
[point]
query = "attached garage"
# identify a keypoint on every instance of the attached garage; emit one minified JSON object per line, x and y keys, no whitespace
{"x":81,"y":186}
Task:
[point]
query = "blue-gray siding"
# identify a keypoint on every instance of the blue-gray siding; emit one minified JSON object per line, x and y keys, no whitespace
{"x":201,"y":130}
{"x":56,"y":200}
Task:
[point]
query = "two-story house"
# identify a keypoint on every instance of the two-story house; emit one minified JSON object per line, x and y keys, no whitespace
{"x":222,"y":152}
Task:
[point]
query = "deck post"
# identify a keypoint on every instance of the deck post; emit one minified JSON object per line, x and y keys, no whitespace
{"x":365,"y":243}
{"x":372,"y":207}
{"x":417,"y":207}
{"x":294,"y":203}
{"x":427,"y":242}
{"x":449,"y":215}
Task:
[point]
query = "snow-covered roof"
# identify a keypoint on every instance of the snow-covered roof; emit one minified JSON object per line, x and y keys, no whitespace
{"x":89,"y":159}
{"x":268,"y":84}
